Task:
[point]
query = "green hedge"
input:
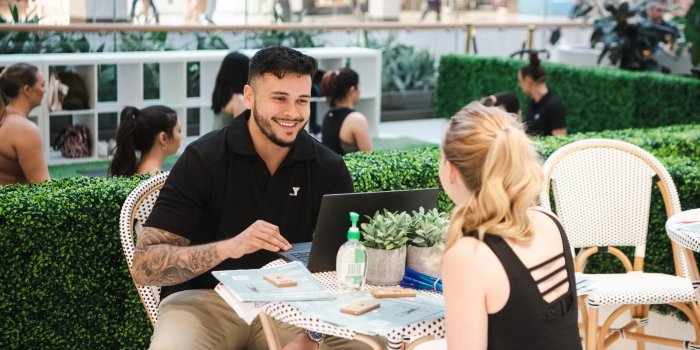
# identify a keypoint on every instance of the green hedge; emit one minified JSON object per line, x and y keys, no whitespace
{"x":596,"y":99}
{"x":65,"y":284}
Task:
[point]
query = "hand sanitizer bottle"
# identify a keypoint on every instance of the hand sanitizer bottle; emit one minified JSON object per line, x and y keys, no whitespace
{"x":351,"y":262}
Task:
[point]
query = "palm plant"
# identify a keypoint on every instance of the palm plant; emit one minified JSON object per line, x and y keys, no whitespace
{"x":627,"y":39}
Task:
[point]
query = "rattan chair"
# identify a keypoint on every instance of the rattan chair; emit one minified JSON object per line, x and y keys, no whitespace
{"x":135,"y":210}
{"x":602,"y":194}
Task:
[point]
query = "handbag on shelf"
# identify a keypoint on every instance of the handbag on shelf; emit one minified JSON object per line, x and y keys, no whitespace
{"x":73,"y":141}
{"x":77,"y":96}
{"x":57,"y":92}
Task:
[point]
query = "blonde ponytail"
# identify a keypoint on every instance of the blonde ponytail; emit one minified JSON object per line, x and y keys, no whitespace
{"x":499,"y":166}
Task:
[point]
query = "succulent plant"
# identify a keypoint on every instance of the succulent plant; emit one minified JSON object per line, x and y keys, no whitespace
{"x":386,"y":230}
{"x":428,"y":228}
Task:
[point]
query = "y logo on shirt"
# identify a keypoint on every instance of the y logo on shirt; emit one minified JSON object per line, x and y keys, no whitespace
{"x":536,"y":116}
{"x":295,"y":191}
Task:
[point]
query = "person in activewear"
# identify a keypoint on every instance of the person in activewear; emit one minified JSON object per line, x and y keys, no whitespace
{"x":508,"y":272}
{"x":344,"y":129}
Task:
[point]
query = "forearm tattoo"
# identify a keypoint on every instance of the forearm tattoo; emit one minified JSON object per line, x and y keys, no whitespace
{"x":162,"y":258}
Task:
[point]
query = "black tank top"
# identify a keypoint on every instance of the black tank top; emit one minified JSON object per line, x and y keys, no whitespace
{"x":527,"y":321}
{"x":331,"y":128}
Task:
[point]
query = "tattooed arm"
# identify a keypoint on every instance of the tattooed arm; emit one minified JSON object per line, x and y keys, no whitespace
{"x":162,"y":258}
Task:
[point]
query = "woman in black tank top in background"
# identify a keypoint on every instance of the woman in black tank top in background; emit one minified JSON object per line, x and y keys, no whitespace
{"x":344,"y":130}
{"x":508,"y":271}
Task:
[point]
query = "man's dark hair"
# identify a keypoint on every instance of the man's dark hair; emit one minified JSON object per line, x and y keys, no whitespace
{"x":280,"y":61}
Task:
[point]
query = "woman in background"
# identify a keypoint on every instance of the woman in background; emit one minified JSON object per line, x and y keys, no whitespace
{"x":508,"y":271}
{"x":227,"y":98}
{"x":344,"y":130}
{"x":21,"y":150}
{"x":154,"y":132}
{"x":545,"y":115}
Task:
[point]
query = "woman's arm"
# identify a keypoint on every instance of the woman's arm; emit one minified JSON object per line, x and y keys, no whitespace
{"x":30,"y":154}
{"x":466,"y":316}
{"x":359,"y":127}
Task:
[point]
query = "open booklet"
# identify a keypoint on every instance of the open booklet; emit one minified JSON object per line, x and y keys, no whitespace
{"x":248,"y":292}
{"x":250,"y":285}
{"x":392,"y":314}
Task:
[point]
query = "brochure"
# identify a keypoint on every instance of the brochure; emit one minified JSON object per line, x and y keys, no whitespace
{"x":393,"y":313}
{"x":251,"y":286}
{"x":246,"y":311}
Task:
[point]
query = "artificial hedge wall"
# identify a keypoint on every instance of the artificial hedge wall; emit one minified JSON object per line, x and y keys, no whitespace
{"x":596,"y":99}
{"x":64,"y":281}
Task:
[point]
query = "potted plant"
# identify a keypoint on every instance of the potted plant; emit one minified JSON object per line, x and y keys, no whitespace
{"x":385,"y":236}
{"x":408,"y":79}
{"x":426,"y":239}
{"x":691,"y":30}
{"x":628,"y":39}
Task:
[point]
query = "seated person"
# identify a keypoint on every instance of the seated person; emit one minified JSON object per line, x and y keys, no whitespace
{"x":665,"y":32}
{"x":505,"y":100}
{"x":546,"y":114}
{"x":21,"y":150}
{"x":507,"y":266}
{"x":227,"y":97}
{"x":344,"y":130}
{"x":154,"y":132}
{"x":227,"y":204}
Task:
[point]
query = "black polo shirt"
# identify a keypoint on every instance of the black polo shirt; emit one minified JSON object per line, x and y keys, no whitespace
{"x":220,"y":186}
{"x":545,"y":115}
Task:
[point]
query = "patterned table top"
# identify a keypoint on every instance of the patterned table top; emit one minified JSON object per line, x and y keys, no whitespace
{"x":287,"y":313}
{"x":684,"y":229}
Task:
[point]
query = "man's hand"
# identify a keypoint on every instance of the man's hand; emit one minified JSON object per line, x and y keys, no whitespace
{"x":259,"y":235}
{"x":301,"y":342}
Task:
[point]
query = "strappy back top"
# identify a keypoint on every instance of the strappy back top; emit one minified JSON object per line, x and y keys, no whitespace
{"x":528,"y":321}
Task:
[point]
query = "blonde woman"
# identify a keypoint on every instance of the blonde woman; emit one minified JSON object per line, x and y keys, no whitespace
{"x":508,"y":273}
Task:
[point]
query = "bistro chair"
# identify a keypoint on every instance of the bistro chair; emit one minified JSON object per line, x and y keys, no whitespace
{"x":602,"y":193}
{"x":135,"y":210}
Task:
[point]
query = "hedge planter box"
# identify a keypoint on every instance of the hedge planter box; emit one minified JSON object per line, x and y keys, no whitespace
{"x":414,"y":104}
{"x":385,"y":267}
{"x":423,"y":260}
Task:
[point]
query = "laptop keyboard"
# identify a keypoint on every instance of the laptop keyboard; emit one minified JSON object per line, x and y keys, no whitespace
{"x":302,"y":256}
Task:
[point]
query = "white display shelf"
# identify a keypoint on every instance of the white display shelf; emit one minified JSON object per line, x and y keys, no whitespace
{"x":172,"y":89}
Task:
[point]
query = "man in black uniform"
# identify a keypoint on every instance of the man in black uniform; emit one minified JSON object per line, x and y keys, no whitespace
{"x":235,"y":196}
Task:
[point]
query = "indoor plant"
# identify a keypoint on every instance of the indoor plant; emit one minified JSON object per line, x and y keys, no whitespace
{"x":385,"y":236}
{"x":426,"y":239}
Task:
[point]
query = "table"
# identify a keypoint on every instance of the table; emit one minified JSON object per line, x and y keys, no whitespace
{"x":683,"y":231}
{"x":412,"y":334}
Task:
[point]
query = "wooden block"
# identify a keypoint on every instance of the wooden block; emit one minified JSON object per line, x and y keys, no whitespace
{"x":393,"y":292}
{"x":280,"y":280}
{"x":360,"y":307}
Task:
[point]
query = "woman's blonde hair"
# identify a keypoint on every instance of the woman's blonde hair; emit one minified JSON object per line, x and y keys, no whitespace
{"x":500,"y":166}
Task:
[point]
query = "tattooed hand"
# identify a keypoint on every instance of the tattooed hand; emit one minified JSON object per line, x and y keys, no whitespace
{"x":162,"y":258}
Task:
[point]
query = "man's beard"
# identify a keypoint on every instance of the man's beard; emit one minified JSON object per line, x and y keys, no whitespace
{"x":265,"y":125}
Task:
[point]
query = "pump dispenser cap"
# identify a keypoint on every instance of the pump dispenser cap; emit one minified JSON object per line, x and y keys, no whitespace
{"x":354,"y":232}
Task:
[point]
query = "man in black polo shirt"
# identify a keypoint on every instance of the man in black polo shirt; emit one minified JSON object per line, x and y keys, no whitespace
{"x":235,"y":196}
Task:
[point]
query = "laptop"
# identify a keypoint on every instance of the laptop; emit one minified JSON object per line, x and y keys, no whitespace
{"x":334,"y":220}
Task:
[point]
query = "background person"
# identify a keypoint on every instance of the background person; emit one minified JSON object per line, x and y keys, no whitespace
{"x":21,"y":150}
{"x":546,"y":114}
{"x":507,"y":267}
{"x":227,"y":98}
{"x":154,"y":132}
{"x":507,"y":101}
{"x":344,"y":129}
{"x":235,"y":196}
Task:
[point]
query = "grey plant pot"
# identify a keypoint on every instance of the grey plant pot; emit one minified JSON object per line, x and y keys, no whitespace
{"x":424,"y":260}
{"x":385,"y":267}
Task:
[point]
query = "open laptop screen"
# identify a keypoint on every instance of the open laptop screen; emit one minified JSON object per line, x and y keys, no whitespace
{"x":334,"y":220}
